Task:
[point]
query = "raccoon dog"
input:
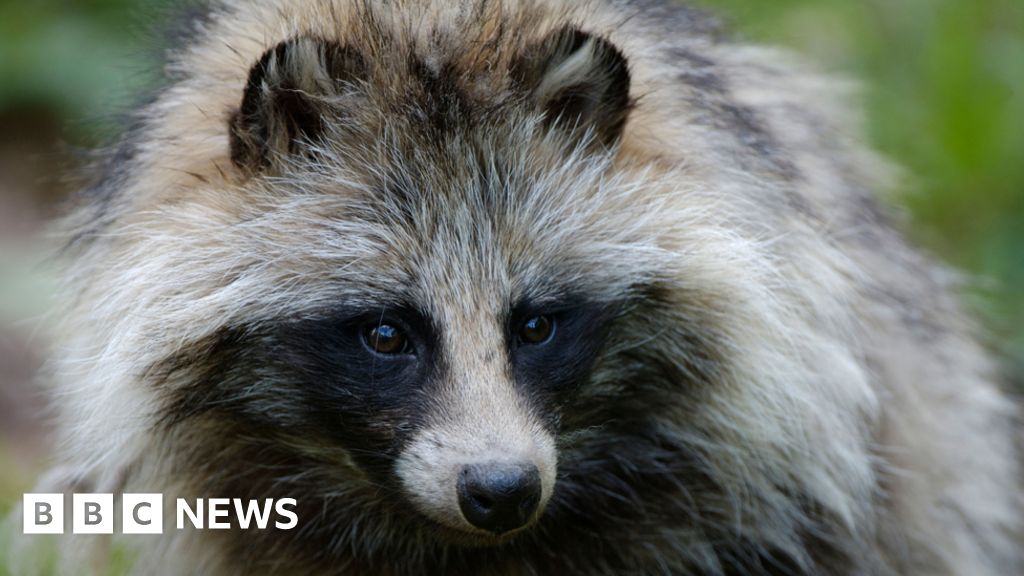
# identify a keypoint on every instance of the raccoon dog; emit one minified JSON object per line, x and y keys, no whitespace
{"x":521,"y":288}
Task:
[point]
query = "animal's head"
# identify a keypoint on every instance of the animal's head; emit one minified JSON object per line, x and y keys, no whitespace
{"x":462,"y":267}
{"x":436,"y":297}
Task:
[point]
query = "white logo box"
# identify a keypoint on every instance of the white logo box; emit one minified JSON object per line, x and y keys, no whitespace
{"x":92,"y":513}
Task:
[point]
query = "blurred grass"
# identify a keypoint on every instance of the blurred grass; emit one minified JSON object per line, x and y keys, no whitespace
{"x":944,"y":94}
{"x":86,"y":60}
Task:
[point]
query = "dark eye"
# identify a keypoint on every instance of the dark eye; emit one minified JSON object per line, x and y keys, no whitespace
{"x":386,"y":339}
{"x":537,"y":330}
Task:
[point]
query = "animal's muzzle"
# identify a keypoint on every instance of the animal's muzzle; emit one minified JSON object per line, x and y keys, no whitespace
{"x":499,"y":497}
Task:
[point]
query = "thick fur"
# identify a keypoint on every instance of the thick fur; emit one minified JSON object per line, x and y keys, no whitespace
{"x":783,"y":386}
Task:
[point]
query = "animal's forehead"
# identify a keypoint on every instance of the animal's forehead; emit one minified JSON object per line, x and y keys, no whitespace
{"x":482,"y":198}
{"x":476,"y":246}
{"x":455,"y":227}
{"x":477,"y":255}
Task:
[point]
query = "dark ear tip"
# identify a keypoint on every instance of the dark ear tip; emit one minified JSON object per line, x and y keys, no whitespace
{"x":570,"y":38}
{"x":236,"y":144}
{"x":244,"y":147}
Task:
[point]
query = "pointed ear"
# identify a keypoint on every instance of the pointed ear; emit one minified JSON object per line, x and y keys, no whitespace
{"x":288,"y":92}
{"x":579,"y":81}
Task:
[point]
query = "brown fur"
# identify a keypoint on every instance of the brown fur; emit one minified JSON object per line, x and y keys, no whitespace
{"x":785,"y":388}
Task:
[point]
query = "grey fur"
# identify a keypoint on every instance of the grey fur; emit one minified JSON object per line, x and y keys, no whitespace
{"x":787,"y":387}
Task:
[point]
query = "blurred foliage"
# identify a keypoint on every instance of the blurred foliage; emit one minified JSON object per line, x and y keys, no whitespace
{"x":944,"y":93}
{"x":85,"y":60}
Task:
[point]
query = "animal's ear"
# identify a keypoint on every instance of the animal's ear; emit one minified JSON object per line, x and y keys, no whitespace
{"x":579,"y":81}
{"x":288,"y":92}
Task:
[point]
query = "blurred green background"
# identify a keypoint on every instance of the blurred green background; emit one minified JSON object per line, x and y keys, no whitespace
{"x":943,"y":89}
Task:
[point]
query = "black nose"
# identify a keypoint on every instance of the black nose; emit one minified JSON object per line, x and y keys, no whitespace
{"x":499,"y":497}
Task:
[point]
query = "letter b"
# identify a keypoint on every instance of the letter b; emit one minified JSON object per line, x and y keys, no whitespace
{"x":43,"y":514}
{"x":92,"y":514}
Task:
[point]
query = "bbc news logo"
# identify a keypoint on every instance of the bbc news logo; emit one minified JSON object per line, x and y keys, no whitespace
{"x":144,"y":513}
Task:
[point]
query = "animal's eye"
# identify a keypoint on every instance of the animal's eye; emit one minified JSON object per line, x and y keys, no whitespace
{"x":386,"y":339}
{"x":537,"y":330}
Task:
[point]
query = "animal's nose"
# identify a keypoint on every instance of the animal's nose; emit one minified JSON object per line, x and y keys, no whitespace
{"x":499,"y":497}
